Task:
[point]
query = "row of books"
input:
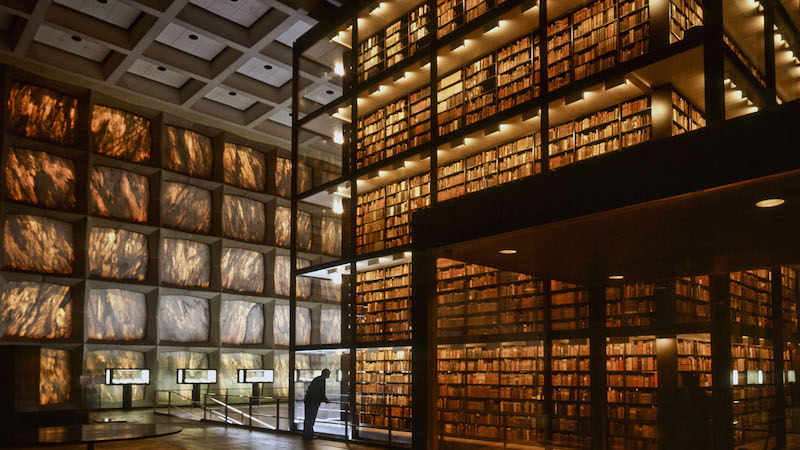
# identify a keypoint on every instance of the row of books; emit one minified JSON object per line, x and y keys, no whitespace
{"x":383,"y":304}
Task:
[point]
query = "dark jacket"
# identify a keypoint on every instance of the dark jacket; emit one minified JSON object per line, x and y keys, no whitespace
{"x":316,"y":391}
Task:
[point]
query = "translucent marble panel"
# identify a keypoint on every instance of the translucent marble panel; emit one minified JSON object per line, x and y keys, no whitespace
{"x":283,"y":226}
{"x":245,"y":167}
{"x":330,"y":291}
{"x":282,"y":276}
{"x":119,"y":194}
{"x":303,"y":326}
{"x":304,"y":231}
{"x":40,"y":178}
{"x":280,"y":325}
{"x":38,"y":244}
{"x":185,"y":263}
{"x":283,"y":177}
{"x":185,"y":207}
{"x":120,"y":134}
{"x":99,"y":360}
{"x":241,"y":322}
{"x":281,"y":384}
{"x":117,"y":254}
{"x":183,"y":318}
{"x":55,"y":376}
{"x":167,"y":373}
{"x":304,"y":178}
{"x":42,"y":114}
{"x":243,"y":270}
{"x":188,"y":152}
{"x":116,"y":315}
{"x":243,"y":219}
{"x":303,"y":283}
{"x":332,"y":236}
{"x":230,"y":364}
{"x":36,"y":310}
{"x":330,"y":327}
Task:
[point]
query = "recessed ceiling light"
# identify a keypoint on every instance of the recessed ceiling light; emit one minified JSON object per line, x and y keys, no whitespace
{"x":770,"y":203}
{"x":231,"y":93}
{"x":329,"y":92}
{"x":161,"y":68}
{"x":76,"y":38}
{"x":615,"y":277}
{"x":193,"y":37}
{"x":507,"y":251}
{"x":102,"y":2}
{"x":267,"y":66}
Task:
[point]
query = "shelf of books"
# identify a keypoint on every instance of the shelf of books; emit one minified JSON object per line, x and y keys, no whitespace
{"x":694,"y":357}
{"x":753,"y":389}
{"x":475,"y":300}
{"x":790,"y":296}
{"x":418,"y":28}
{"x":569,"y":306}
{"x":383,"y":388}
{"x":571,"y":421}
{"x":630,"y":305}
{"x":634,"y":28}
{"x":751,"y":304}
{"x":371,"y":221}
{"x":518,"y":73}
{"x":559,"y":53}
{"x":450,"y":15}
{"x":693,"y":299}
{"x":491,"y":392}
{"x":450,"y":107}
{"x":791,"y":361}
{"x":383,"y":304}
{"x":684,"y":14}
{"x":685,"y":116}
{"x":419,"y":120}
{"x":479,"y":90}
{"x":632,"y":375}
{"x":743,"y":59}
{"x":371,"y":57}
{"x":594,"y":38}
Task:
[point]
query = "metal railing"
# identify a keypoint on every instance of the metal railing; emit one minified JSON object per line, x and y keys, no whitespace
{"x":233,"y":409}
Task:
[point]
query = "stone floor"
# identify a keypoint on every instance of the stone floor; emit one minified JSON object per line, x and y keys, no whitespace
{"x":204,"y":435}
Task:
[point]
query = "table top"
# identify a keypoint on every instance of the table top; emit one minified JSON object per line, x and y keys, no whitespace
{"x":82,"y":434}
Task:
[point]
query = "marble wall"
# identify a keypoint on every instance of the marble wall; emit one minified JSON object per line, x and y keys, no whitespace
{"x":98,"y":361}
{"x":55,"y":376}
{"x":119,"y":194}
{"x":282,"y":275}
{"x":42,"y":114}
{"x":283,"y":226}
{"x":118,"y":254}
{"x":304,"y":284}
{"x":330,"y":327}
{"x":243,"y":270}
{"x":304,"y":178}
{"x":283,"y":177}
{"x":36,"y":310}
{"x":281,"y":384}
{"x":243,"y":219}
{"x":303,"y":327}
{"x":183,"y":318}
{"x":280,"y":325}
{"x":185,"y":207}
{"x":167,"y":373}
{"x":116,"y":315}
{"x":38,"y":244}
{"x":304,"y":231}
{"x":332,"y":236}
{"x":244,"y":167}
{"x":230,"y":363}
{"x":120,"y":134}
{"x":241,"y":322}
{"x":188,"y":152}
{"x":330,"y":291}
{"x":185,"y":263}
{"x":40,"y":178}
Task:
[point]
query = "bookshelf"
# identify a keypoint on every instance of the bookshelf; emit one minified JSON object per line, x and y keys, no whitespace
{"x":594,"y":38}
{"x":693,"y":299}
{"x":561,"y":145}
{"x":743,"y":59}
{"x":791,"y":361}
{"x":371,"y":57}
{"x":371,"y":137}
{"x":750,"y":298}
{"x":419,"y":121}
{"x":684,"y":14}
{"x":789,"y":300}
{"x":559,"y":52}
{"x":634,"y":28}
{"x":632,"y":374}
{"x":383,"y":304}
{"x":450,"y":107}
{"x":571,"y":377}
{"x":518,"y":73}
{"x":630,"y":305}
{"x":383,"y":388}
{"x":597,"y":133}
{"x":396,"y":42}
{"x":479,"y":89}
{"x":753,"y":389}
{"x":694,"y":356}
{"x":370,"y":221}
{"x":418,"y":28}
{"x":450,"y":15}
{"x":685,"y":116}
{"x":569,"y":306}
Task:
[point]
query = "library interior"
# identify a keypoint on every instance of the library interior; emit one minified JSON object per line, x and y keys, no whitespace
{"x":496,"y":223}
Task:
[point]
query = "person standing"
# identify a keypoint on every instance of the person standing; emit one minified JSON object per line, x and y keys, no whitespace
{"x":315,"y":395}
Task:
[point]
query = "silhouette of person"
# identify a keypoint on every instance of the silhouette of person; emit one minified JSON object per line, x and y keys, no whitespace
{"x":689,"y":413}
{"x":315,"y":395}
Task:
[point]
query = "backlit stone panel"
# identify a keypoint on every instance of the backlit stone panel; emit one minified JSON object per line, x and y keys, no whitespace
{"x":36,"y":310}
{"x":185,"y":263}
{"x":183,"y":318}
{"x":116,"y":315}
{"x":40,"y":178}
{"x":120,"y":134}
{"x":42,"y":114}
{"x":118,"y":254}
{"x":188,"y":152}
{"x":38,"y":244}
{"x":185,"y":207}
{"x":243,"y":219}
{"x":244,"y":167}
{"x":119,"y":194}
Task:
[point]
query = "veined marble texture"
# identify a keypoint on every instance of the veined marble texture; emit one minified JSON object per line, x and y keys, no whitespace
{"x":121,"y":134}
{"x":118,"y":254}
{"x":282,"y":276}
{"x":331,"y":291}
{"x":98,"y":361}
{"x":230,"y":363}
{"x":283,"y":226}
{"x":42,"y":114}
{"x":116,"y":315}
{"x":243,"y":270}
{"x":241,"y":322}
{"x":185,"y":263}
{"x":303,"y":283}
{"x":36,"y":310}
{"x":304,"y":231}
{"x":188,"y":152}
{"x":119,"y":194}
{"x":283,"y":177}
{"x":183,"y":318}
{"x":281,"y":367}
{"x":280,"y":325}
{"x":330,"y":327}
{"x":40,"y":178}
{"x":244,"y":167}
{"x":304,"y":178}
{"x":167,"y":374}
{"x":303,"y":326}
{"x":55,"y":376}
{"x":332,"y":236}
{"x":185,"y":207}
{"x":243,"y":219}
{"x":38,"y":244}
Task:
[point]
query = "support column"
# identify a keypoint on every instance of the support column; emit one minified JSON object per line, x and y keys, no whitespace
{"x":713,"y":63}
{"x":778,"y":345}
{"x":769,"y":51}
{"x":722,"y":362}
{"x":423,"y":351}
{"x":597,"y":363}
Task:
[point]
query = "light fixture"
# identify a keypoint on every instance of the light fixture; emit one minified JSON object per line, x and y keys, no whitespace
{"x":770,"y":202}
{"x":338,"y":137}
{"x":507,"y":251}
{"x":338,"y":206}
{"x":616,"y":277}
{"x":338,"y":69}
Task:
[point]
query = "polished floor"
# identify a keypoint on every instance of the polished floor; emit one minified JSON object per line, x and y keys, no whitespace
{"x":204,"y":435}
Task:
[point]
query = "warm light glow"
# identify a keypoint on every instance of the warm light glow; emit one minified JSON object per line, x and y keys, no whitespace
{"x":770,"y":203}
{"x":615,"y":277}
{"x":337,"y":279}
{"x":338,"y":69}
{"x":407,"y":254}
{"x":338,"y":205}
{"x":338,"y":137}
{"x":508,"y":251}
{"x":735,"y":377}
